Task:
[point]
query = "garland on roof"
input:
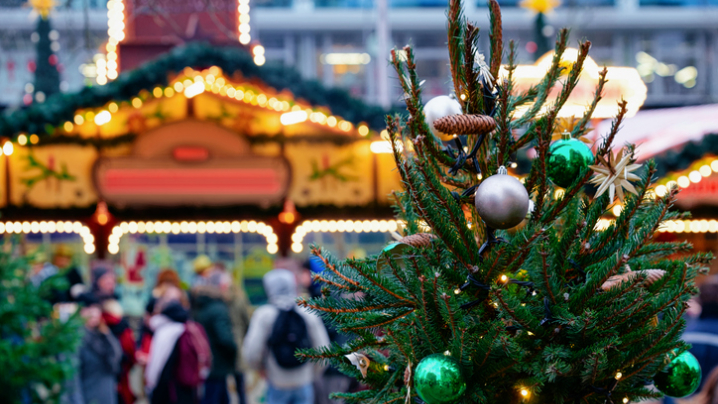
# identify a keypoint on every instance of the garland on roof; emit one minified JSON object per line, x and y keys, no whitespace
{"x":42,"y":119}
{"x":681,"y":159}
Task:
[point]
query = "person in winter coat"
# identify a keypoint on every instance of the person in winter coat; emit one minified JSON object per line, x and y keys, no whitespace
{"x":211,"y":311}
{"x":104,"y":283}
{"x":702,"y":332}
{"x":286,"y":386}
{"x":113,"y":315}
{"x":164,"y":374}
{"x":100,"y":356}
{"x":63,"y":262}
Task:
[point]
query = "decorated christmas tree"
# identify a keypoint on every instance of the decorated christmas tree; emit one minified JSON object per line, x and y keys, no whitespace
{"x":36,"y":343}
{"x":510,"y":288}
{"x":47,"y":75}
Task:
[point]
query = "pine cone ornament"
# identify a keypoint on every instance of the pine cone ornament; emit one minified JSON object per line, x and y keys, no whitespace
{"x":651,"y":276}
{"x":418,"y":240}
{"x":465,"y":124}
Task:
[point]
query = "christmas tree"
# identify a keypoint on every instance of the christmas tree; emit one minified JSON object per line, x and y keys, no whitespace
{"x":504,"y":290}
{"x":47,"y":76}
{"x":36,"y":345}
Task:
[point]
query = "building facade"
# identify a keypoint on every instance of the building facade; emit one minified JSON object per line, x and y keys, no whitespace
{"x":673,"y":43}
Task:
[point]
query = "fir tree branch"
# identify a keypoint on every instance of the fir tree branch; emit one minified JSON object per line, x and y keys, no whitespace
{"x":445,"y":297}
{"x":475,"y":101}
{"x":602,"y":150}
{"x":544,"y":268}
{"x":318,"y":253}
{"x":302,"y":302}
{"x":455,"y":34}
{"x":544,"y":87}
{"x":496,"y":39}
{"x":383,"y":288}
{"x":580,"y":128}
{"x":511,"y":311}
{"x":319,"y":278}
{"x":524,"y":250}
{"x":378,"y":325}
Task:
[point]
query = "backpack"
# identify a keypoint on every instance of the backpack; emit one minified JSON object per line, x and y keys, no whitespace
{"x":195,"y":356}
{"x":289,"y":334}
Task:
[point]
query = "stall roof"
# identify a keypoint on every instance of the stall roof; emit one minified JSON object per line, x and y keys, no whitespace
{"x":656,"y":132}
{"x":47,"y":118}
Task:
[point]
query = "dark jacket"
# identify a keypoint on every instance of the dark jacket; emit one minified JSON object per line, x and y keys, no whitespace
{"x":100,"y":357}
{"x":169,"y":390}
{"x":210,"y":311}
{"x":702,"y":333}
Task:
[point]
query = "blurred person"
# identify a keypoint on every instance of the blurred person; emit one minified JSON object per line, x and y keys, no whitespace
{"x":239,"y":314}
{"x":202,"y":265}
{"x":276,"y":330}
{"x":332,"y":380}
{"x":63,"y":261}
{"x":702,"y":332}
{"x":179,"y":353}
{"x":212,"y":312}
{"x":113,"y":315}
{"x":40,"y":269}
{"x":104,"y":283}
{"x":166,"y":279}
{"x":100,"y":355}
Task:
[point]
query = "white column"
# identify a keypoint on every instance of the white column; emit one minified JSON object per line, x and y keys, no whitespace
{"x":383,"y":37}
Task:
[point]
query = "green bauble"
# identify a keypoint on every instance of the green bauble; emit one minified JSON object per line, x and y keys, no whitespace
{"x":680,"y":378}
{"x":438,"y":379}
{"x":567,"y":157}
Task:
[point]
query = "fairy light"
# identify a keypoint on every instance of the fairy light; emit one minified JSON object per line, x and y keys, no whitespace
{"x":186,"y":227}
{"x":243,"y":22}
{"x":504,"y":278}
{"x":341,"y":226}
{"x":258,"y":52}
{"x":116,"y":34}
{"x":457,"y":291}
{"x":524,"y":392}
{"x":619,"y":375}
{"x":625,"y":400}
{"x":689,"y":226}
{"x":52,"y":227}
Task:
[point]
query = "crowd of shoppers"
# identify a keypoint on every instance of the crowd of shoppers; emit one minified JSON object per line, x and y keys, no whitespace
{"x":191,"y":340}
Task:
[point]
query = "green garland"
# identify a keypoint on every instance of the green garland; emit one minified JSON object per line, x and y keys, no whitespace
{"x":677,"y":160}
{"x":42,"y":119}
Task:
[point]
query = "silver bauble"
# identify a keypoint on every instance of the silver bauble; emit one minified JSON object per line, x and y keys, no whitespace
{"x":439,"y":107}
{"x":502,"y":201}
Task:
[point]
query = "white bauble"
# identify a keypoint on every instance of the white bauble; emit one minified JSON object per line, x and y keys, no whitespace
{"x":439,"y":107}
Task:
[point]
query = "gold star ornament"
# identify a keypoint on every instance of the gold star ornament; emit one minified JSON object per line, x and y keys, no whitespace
{"x":564,"y":125}
{"x":42,"y":7}
{"x":540,"y":6}
{"x":613,"y":174}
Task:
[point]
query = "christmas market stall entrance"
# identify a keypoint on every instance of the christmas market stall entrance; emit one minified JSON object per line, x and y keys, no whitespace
{"x":198,"y":152}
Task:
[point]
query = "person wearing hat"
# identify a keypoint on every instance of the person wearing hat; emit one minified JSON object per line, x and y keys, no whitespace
{"x":209,"y":296}
{"x":104,"y":283}
{"x":100,"y":355}
{"x":62,"y":260}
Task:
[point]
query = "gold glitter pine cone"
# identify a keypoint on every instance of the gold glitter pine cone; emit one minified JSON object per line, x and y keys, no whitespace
{"x":465,"y":124}
{"x":418,"y":240}
{"x":651,"y":277}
